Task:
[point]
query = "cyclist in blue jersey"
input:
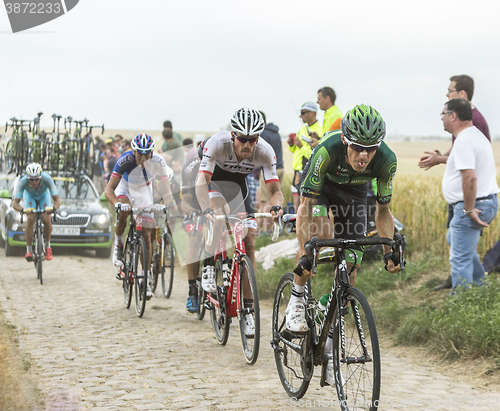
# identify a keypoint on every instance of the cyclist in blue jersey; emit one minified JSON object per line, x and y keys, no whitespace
{"x":36,"y":189}
{"x":132,"y":179}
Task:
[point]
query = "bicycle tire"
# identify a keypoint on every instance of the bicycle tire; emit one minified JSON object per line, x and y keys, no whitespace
{"x":250,"y":344}
{"x":357,"y":380}
{"x":9,"y":158}
{"x":128,"y":278}
{"x":140,"y":274}
{"x":89,"y":156}
{"x":155,"y":265}
{"x":167,"y":268}
{"x":39,"y":253}
{"x":218,"y":316}
{"x":202,"y":295}
{"x":289,"y":363}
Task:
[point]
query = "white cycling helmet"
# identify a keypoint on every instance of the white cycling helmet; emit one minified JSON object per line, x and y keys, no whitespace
{"x":34,"y":171}
{"x":248,"y":122}
{"x":143,"y":143}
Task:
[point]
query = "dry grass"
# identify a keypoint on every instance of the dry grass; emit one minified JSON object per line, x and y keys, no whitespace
{"x":18,"y":391}
{"x":418,"y":202}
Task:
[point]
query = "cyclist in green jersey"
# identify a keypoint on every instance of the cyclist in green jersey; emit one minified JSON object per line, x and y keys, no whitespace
{"x":336,"y":178}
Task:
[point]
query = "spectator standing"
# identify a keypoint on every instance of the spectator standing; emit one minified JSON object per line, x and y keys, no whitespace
{"x":272,"y":136}
{"x":126,"y":146}
{"x":172,"y":152}
{"x":168,"y":124}
{"x":97,"y":177}
{"x":460,"y":87}
{"x":470,"y":187}
{"x":110,"y":162}
{"x":333,"y":115}
{"x":300,"y":149}
{"x":191,"y":152}
{"x":118,"y":143}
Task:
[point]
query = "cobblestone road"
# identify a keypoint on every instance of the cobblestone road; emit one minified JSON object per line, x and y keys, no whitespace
{"x":91,"y":353}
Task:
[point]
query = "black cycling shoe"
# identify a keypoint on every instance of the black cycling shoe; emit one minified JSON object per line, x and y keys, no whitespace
{"x":447,"y":284}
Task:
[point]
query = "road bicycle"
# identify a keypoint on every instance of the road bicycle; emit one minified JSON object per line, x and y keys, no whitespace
{"x":236,"y":294}
{"x":163,"y":259}
{"x":17,"y":148}
{"x":134,"y":270}
{"x":356,"y":353}
{"x":38,"y":247}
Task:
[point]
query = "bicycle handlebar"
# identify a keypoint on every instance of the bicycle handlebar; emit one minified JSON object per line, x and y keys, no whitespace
{"x":311,"y":247}
{"x":210,"y":232}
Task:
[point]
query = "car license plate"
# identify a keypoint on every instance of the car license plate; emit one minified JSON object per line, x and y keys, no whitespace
{"x":65,"y":230}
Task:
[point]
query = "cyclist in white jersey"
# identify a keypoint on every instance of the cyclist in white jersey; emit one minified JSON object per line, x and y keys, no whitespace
{"x":132,"y":179}
{"x":221,"y":188}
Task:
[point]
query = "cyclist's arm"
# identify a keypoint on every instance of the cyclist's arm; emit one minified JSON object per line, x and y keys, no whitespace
{"x":201,"y":187}
{"x":275,"y":193}
{"x":166,"y":193}
{"x":16,"y":204}
{"x":304,"y":221}
{"x":385,"y":227}
{"x":57,"y":202}
{"x":186,"y":202}
{"x":109,"y":191}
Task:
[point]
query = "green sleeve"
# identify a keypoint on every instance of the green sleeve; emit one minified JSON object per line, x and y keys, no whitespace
{"x":384,"y":182}
{"x":313,"y":183}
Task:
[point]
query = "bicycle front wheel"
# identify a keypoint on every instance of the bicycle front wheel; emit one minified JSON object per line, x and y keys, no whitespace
{"x":218,"y":315}
{"x":202,"y":295}
{"x":127,"y":275}
{"x":167,"y":268}
{"x":141,"y":276}
{"x":289,"y":361}
{"x":249,"y":316}
{"x":357,"y":367}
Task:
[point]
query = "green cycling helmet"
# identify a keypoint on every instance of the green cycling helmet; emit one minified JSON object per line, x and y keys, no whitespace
{"x":363,"y":124}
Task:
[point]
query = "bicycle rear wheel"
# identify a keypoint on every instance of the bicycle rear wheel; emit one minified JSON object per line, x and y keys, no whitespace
{"x":289,"y":361}
{"x":39,"y":253}
{"x":128,"y":277}
{"x":218,"y":315}
{"x":357,"y":368}
{"x":250,"y":311}
{"x":140,"y":274}
{"x":167,"y":268}
{"x":202,"y":295}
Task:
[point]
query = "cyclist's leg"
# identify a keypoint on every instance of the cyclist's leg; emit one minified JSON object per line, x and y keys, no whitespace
{"x":122,"y":193}
{"x":192,"y":267}
{"x":29,"y":202}
{"x":46,"y":218}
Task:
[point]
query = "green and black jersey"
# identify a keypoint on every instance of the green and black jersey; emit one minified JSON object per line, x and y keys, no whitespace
{"x":328,"y":163}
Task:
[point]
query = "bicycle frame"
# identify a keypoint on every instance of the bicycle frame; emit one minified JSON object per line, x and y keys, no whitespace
{"x":233,"y":303}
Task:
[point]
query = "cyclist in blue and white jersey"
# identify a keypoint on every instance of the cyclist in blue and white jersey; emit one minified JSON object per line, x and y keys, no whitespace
{"x":36,"y":189}
{"x":132,"y":179}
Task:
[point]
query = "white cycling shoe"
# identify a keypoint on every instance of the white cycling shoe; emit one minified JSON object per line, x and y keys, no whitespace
{"x":208,"y":279}
{"x":249,"y":327}
{"x":296,"y":317}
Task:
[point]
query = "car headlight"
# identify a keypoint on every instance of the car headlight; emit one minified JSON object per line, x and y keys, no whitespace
{"x":100,"y":218}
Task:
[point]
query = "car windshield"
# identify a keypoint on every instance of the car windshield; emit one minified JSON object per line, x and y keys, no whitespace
{"x":74,"y":189}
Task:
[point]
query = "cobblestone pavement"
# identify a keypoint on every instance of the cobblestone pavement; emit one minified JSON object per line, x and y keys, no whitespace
{"x":91,"y":353}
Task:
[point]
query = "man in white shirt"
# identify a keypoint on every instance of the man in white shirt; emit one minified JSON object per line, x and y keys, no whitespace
{"x":470,"y":186}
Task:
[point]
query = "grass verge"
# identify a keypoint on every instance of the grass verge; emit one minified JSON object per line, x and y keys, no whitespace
{"x":17,"y":389}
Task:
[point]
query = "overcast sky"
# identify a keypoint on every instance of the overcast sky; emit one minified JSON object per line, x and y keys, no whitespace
{"x":132,"y":64}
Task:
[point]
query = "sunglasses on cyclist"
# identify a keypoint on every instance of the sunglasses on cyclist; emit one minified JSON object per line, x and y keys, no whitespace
{"x":360,"y":148}
{"x":244,"y":140}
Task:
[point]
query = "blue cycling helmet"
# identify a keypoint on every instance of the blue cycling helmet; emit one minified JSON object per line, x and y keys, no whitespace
{"x":143,"y":143}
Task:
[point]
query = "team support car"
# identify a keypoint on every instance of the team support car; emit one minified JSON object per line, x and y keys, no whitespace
{"x":82,"y":221}
{"x":5,"y":202}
